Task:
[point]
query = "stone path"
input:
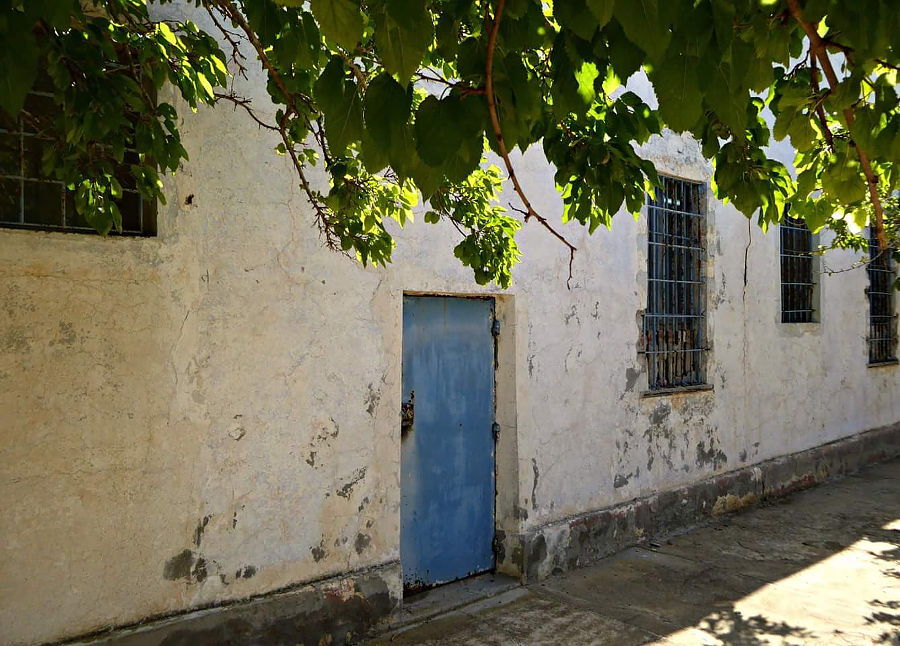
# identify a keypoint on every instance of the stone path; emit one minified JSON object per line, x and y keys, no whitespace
{"x":821,"y":567}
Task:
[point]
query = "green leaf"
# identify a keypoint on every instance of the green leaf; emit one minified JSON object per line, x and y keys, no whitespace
{"x":402,"y":47}
{"x":602,"y":10}
{"x":678,"y":91}
{"x":386,"y":108}
{"x":625,"y":56}
{"x":575,"y":15}
{"x":340,"y":21}
{"x":641,"y":22}
{"x":339,"y":99}
{"x":437,"y":129}
{"x":18,"y":63}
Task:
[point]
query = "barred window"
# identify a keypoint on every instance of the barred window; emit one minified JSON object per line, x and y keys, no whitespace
{"x":675,"y":318}
{"x":797,"y":272}
{"x":882,"y":317}
{"x":31,"y":200}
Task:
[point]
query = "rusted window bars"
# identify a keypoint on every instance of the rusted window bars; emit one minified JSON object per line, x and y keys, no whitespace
{"x":797,"y":282}
{"x":882,"y":317}
{"x":31,"y":200}
{"x":675,"y":318}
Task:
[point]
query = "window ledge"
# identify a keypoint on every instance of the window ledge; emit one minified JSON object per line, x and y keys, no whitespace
{"x":683,"y":390}
{"x":885,"y":364}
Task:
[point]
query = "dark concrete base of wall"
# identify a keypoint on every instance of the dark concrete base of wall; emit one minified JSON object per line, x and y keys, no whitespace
{"x":332,"y":611}
{"x":581,"y":540}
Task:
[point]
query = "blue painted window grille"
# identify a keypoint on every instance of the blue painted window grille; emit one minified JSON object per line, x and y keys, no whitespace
{"x":797,"y":279}
{"x":882,"y":317}
{"x":674,"y":325}
{"x":31,"y":200}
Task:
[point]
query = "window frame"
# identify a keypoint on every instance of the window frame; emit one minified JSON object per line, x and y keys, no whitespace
{"x":792,"y":261}
{"x":675,"y":320}
{"x":27,"y":177}
{"x":882,"y":349}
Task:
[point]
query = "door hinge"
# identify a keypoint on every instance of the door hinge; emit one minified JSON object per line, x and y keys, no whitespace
{"x":495,"y":327}
{"x":495,"y":430}
{"x":497,"y":544}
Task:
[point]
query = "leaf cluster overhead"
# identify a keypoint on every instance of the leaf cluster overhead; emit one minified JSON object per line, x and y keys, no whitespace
{"x":402,"y":100}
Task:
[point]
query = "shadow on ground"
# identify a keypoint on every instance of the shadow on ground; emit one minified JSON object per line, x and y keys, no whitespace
{"x":822,"y":567}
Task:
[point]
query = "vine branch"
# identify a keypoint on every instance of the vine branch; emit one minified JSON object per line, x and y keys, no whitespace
{"x":501,"y":146}
{"x":819,"y":48}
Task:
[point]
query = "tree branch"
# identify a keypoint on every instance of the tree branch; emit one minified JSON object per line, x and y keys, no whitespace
{"x":358,"y":73}
{"x":819,"y":48}
{"x":501,"y":146}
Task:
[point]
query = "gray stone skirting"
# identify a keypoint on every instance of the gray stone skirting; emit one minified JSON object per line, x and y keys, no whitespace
{"x":583,"y":539}
{"x":332,"y":611}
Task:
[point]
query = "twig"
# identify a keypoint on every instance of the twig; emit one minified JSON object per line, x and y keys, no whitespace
{"x":358,"y":73}
{"x":245,"y":103}
{"x":231,"y":37}
{"x":501,"y":146}
{"x":818,"y":46}
{"x":464,"y":90}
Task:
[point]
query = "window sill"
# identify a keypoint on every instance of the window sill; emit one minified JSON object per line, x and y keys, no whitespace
{"x":683,"y":390}
{"x":884,"y":364}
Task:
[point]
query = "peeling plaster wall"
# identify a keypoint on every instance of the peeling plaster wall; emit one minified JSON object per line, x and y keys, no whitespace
{"x":211,"y":414}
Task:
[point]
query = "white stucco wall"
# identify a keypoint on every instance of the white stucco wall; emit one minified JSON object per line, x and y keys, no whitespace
{"x":229,"y":390}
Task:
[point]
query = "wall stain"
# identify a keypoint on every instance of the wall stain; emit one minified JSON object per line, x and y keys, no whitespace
{"x":534,"y":467}
{"x":179,"y":566}
{"x":245,"y":572}
{"x":660,"y":414}
{"x":201,"y":527}
{"x":318,"y":551}
{"x":631,"y":377}
{"x":362,"y":542}
{"x":657,"y":431}
{"x":188,"y":565}
{"x":710,"y":457}
{"x":571,"y":314}
{"x":347,"y":489}
{"x":620,"y":480}
{"x":372,"y":399}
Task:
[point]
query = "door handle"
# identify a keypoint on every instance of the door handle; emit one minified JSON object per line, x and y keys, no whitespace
{"x":408,"y":414}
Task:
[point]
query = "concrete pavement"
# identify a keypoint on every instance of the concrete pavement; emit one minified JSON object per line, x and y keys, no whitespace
{"x":820,"y":567}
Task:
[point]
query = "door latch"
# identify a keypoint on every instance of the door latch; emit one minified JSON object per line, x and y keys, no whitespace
{"x":495,"y":430}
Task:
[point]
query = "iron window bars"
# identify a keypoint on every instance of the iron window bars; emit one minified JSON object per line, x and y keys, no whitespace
{"x":797,"y":282}
{"x":31,"y":200}
{"x":882,"y":318}
{"x":675,"y":319}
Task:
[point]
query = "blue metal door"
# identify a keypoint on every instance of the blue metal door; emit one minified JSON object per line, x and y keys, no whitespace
{"x":447,"y":442}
